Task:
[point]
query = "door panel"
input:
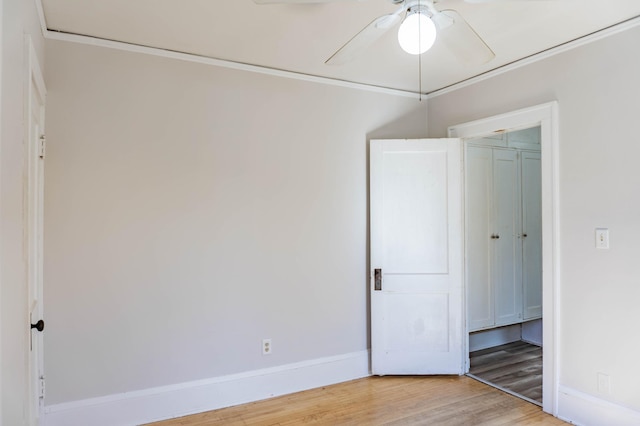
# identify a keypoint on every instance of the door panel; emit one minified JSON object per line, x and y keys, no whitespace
{"x":419,"y":324}
{"x":532,"y":228}
{"x":507,"y":262}
{"x":416,"y":221}
{"x":479,"y":193}
{"x":416,"y":234}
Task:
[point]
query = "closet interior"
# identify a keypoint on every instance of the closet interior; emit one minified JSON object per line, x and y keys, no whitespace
{"x":503,"y":215}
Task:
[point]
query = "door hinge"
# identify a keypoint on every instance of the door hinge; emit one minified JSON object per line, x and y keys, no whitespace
{"x":43,"y":146}
{"x":41,"y":387}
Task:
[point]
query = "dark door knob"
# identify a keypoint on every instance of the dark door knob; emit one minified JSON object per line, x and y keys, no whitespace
{"x":38,"y":326}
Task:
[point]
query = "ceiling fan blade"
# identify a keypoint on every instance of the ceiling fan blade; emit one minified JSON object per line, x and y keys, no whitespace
{"x":497,"y":1}
{"x":294,"y":1}
{"x":461,"y":39}
{"x":365,"y":38}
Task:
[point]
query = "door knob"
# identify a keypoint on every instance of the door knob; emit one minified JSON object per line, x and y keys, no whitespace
{"x":38,"y":326}
{"x":524,"y":235}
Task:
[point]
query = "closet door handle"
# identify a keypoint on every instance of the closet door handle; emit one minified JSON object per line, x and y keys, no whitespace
{"x":495,"y":237}
{"x":524,"y":235}
{"x":377,"y":279}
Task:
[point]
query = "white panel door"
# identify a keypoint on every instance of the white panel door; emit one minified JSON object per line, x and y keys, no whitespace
{"x":416,"y":257}
{"x":507,"y":249}
{"x":531,"y":234}
{"x":479,"y":204}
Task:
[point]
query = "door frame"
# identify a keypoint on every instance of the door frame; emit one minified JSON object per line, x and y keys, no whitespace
{"x":1,"y":200}
{"x":33,"y":211}
{"x":545,"y":116}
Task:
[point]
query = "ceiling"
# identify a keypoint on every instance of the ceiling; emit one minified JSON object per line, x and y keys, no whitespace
{"x":300,"y":37}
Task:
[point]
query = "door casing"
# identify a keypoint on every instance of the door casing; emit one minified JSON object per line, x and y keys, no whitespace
{"x":35,"y":95}
{"x":545,"y":116}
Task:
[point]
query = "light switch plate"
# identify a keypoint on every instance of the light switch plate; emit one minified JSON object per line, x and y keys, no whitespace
{"x":602,"y":238}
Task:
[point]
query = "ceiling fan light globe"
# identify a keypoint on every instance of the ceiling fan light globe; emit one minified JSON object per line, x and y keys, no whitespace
{"x":417,"y":33}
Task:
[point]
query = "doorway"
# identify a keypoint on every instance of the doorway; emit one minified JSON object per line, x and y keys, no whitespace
{"x":546,"y":117}
{"x":503,"y":252}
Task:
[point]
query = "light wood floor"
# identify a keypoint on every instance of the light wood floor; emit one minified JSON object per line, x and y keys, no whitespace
{"x":446,"y":400}
{"x":515,"y":366}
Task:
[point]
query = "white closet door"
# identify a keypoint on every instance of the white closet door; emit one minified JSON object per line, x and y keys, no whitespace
{"x":507,"y":261}
{"x":531,"y":235}
{"x":478,"y":192}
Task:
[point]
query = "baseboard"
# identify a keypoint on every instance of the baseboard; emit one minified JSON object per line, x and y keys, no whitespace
{"x":494,"y":337}
{"x":532,"y":332}
{"x":139,"y":407}
{"x":586,"y":410}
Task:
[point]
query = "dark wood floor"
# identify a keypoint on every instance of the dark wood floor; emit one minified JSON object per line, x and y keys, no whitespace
{"x":516,"y":367}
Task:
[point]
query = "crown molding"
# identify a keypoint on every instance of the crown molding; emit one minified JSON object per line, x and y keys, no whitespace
{"x":189,"y":57}
{"x":553,"y":51}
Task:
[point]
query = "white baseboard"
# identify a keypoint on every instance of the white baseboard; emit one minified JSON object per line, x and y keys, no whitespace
{"x":494,"y":337}
{"x":586,"y":410}
{"x":134,"y":408}
{"x":532,"y":332}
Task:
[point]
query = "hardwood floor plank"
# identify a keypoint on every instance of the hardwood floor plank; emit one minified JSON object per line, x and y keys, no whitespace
{"x":494,"y":360}
{"x":515,"y":366}
{"x":516,"y":369}
{"x":390,"y":400}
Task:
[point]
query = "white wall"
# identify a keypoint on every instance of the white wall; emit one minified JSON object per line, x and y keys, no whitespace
{"x":192,"y":211}
{"x":599,"y":98}
{"x":19,"y":18}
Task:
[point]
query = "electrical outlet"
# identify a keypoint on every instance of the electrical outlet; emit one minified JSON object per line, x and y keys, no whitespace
{"x":266,"y":347}
{"x":604,"y":383}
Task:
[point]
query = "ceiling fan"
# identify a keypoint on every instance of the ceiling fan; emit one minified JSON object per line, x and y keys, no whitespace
{"x":421,"y":23}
